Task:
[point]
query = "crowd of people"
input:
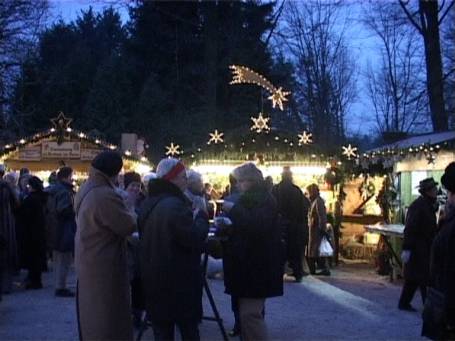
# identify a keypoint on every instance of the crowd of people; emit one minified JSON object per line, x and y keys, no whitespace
{"x":134,"y":239}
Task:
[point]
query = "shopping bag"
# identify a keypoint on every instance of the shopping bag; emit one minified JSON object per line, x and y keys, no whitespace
{"x":325,"y":249}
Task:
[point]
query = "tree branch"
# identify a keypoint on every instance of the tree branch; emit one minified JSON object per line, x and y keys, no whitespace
{"x":446,"y":12}
{"x":411,"y":19}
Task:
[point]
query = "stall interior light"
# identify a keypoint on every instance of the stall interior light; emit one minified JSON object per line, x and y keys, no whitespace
{"x":269,"y":170}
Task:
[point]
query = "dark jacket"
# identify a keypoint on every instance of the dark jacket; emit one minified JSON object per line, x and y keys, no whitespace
{"x":170,"y":254}
{"x":61,"y":221}
{"x":293,"y":207}
{"x":254,"y":251}
{"x":420,"y":229}
{"x":33,"y":210}
{"x":442,"y":267}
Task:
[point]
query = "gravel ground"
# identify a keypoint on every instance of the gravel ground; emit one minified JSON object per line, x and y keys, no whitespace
{"x":353,"y":304}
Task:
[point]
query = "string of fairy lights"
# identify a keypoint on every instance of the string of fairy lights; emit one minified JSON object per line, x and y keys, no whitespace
{"x":62,"y":131}
{"x":261,"y":124}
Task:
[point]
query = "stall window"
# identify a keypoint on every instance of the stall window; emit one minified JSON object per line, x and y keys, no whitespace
{"x":416,"y":177}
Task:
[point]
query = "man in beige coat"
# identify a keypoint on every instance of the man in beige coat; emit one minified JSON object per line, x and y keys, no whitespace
{"x":103,"y":223}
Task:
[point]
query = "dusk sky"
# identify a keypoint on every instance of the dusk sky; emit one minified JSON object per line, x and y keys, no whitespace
{"x":362,"y":43}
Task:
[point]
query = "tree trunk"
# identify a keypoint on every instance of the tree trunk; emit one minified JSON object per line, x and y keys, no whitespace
{"x":430,"y":31}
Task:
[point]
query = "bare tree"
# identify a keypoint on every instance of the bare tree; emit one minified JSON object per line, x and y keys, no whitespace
{"x":20,"y":22}
{"x":394,"y":85}
{"x":314,"y":35}
{"x":448,"y":52}
{"x":427,"y":20}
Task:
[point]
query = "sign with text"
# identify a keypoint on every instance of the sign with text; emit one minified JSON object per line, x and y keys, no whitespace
{"x":30,"y":153}
{"x":66,"y":150}
{"x":89,"y":154}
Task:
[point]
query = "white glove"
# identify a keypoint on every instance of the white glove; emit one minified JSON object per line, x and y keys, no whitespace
{"x":405,"y":256}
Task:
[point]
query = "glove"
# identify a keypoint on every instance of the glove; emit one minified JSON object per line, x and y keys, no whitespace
{"x":405,"y":256}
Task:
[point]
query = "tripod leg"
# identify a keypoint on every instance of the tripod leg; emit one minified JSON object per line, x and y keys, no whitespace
{"x":215,"y":310}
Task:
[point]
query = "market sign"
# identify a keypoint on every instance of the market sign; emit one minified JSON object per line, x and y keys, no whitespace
{"x":30,"y":153}
{"x":89,"y":154}
{"x":65,"y":150}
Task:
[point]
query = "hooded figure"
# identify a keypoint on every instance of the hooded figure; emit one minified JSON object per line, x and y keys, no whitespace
{"x":104,"y":222}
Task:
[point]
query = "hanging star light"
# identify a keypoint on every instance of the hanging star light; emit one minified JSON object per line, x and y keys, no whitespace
{"x":61,"y":122}
{"x":278,"y":97}
{"x":431,"y":158}
{"x":216,"y":137}
{"x":350,"y":151}
{"x":242,"y":74}
{"x":260,"y":123}
{"x":305,"y":138}
{"x":173,"y":149}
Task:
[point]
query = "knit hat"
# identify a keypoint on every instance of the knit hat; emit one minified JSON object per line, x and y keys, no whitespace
{"x":108,"y":162}
{"x":169,"y":169}
{"x":130,"y":177}
{"x":448,"y":179}
{"x":248,"y":171}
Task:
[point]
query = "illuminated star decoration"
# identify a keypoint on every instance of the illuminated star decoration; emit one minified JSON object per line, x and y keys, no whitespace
{"x":242,"y":74}
{"x":305,"y":138}
{"x":278,"y":97}
{"x":431,"y":158}
{"x":349,"y":151}
{"x":216,"y":137}
{"x":260,"y":124}
{"x":173,"y":149}
{"x":61,"y":122}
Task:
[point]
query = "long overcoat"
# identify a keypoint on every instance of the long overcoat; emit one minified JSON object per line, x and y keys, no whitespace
{"x":254,"y":253}
{"x":442,"y":268}
{"x":103,"y":223}
{"x":293,"y":207}
{"x":420,"y":230}
{"x":317,"y":220}
{"x":170,"y":254}
{"x":35,"y":231}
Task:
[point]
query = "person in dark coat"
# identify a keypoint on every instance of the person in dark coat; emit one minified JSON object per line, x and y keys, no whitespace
{"x":442,"y":264}
{"x":254,"y":252}
{"x":420,"y":229}
{"x":172,"y":240}
{"x":293,"y":206}
{"x":35,"y":233}
{"x":60,"y":208}
{"x":8,"y":242}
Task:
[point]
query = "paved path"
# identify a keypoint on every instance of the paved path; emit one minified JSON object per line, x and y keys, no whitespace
{"x":353,"y":304}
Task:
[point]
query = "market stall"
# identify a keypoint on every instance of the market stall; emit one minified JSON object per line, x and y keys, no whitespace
{"x":61,"y":145}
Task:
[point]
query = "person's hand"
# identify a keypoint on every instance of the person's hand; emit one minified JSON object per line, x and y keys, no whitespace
{"x":227,"y":206}
{"x":405,"y":256}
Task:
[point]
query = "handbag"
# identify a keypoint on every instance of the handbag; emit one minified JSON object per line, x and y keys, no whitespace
{"x":434,"y":314}
{"x":325,"y":249}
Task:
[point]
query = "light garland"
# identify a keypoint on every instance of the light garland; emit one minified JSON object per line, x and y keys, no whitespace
{"x":216,"y":137}
{"x":305,"y":138}
{"x":260,"y":123}
{"x":349,"y":151}
{"x":242,"y":74}
{"x":173,"y":149}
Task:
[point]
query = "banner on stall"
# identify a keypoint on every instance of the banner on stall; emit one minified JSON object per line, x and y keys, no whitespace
{"x":65,"y":150}
{"x":30,"y":153}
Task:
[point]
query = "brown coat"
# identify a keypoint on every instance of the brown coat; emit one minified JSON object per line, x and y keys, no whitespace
{"x":103,"y":223}
{"x":317,"y":221}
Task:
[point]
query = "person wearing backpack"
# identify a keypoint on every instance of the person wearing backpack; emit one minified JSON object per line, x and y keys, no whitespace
{"x":61,"y":219}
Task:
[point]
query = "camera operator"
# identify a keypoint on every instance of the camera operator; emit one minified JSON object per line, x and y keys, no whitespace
{"x":254,"y":252}
{"x":170,"y":253}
